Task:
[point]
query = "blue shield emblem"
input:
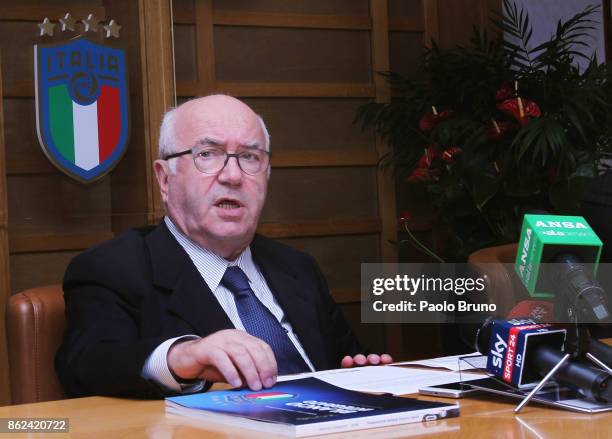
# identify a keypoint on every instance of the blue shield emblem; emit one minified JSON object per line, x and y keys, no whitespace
{"x":81,"y":106}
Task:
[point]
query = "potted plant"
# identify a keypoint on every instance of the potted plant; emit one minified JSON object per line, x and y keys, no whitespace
{"x":498,"y":128}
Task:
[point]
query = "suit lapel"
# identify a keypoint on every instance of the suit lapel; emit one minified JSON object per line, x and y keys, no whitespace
{"x":175,"y":273}
{"x":191,"y":299}
{"x":294,"y":299}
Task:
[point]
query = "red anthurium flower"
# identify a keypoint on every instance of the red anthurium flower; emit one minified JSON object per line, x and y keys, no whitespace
{"x":504,"y":92}
{"x":423,"y":175}
{"x":405,"y":216}
{"x":521,"y":109}
{"x":428,"y":156}
{"x":449,"y":155}
{"x":532,"y":109}
{"x":496,"y":129}
{"x":429,"y":121}
{"x":553,"y":173}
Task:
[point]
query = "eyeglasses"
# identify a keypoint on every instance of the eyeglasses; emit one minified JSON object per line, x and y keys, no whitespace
{"x":211,"y":159}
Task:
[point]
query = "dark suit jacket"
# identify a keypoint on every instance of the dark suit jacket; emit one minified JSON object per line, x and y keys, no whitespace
{"x":126,"y":296}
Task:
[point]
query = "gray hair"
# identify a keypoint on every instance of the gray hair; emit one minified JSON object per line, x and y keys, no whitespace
{"x":167,"y":137}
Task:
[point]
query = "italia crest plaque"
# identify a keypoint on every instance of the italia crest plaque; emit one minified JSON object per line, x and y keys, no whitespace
{"x":82,"y":119}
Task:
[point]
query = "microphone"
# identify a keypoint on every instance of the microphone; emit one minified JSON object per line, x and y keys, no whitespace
{"x":601,"y":351}
{"x":593,"y":383}
{"x":577,"y":288}
{"x":550,"y":262}
{"x":521,"y":351}
{"x":542,"y":311}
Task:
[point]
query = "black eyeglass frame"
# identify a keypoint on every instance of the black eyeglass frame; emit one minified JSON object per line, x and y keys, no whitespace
{"x":227,"y":157}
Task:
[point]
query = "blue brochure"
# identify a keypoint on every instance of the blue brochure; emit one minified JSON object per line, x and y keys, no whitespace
{"x":305,"y":407}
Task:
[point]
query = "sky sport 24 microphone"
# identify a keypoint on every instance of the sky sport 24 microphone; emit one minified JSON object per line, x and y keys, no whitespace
{"x":557,"y":258}
{"x":601,"y":351}
{"x":521,"y":351}
{"x":507,"y":343}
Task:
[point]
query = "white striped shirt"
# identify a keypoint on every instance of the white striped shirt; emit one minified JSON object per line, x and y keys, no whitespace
{"x":212,"y":268}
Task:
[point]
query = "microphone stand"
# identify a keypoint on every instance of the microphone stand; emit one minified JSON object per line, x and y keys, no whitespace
{"x":542,"y":383}
{"x":577,"y":344}
{"x":599,"y":363}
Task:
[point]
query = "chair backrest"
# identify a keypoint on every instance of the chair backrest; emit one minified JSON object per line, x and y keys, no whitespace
{"x":502,"y":253}
{"x":504,"y":287}
{"x":35,"y":323}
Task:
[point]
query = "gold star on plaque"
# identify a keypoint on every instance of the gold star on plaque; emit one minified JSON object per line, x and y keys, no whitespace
{"x":67,"y":22}
{"x":46,"y":27}
{"x":112,"y":29}
{"x":90,"y":23}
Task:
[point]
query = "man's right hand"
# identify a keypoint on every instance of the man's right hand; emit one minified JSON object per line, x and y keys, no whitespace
{"x":231,"y":355}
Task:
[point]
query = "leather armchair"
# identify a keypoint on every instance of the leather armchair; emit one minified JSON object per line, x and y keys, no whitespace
{"x":496,"y":265}
{"x":35,"y":325}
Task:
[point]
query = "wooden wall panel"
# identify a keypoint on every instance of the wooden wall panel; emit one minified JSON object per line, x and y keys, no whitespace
{"x":19,"y":54}
{"x":306,"y":64}
{"x":292,"y":62}
{"x":132,"y":189}
{"x":296,"y":6}
{"x":313,"y":124}
{"x":49,"y":268}
{"x":205,"y":43}
{"x":321,"y":227}
{"x":4,"y":261}
{"x":24,"y":34}
{"x":44,"y":204}
{"x":185,"y":55}
{"x":431,"y":22}
{"x":405,"y":52}
{"x":186,"y":7}
{"x":21,"y":144}
{"x":421,"y":340}
{"x":454,"y":31}
{"x":31,"y":10}
{"x":132,"y":192}
{"x":450,"y":23}
{"x":50,"y":215}
{"x":369,"y":335}
{"x":413,"y":8}
{"x":337,"y":193}
{"x":340,"y":257}
{"x":56,"y":204}
{"x":286,"y":55}
{"x":405,"y":62}
{"x":386,"y":186}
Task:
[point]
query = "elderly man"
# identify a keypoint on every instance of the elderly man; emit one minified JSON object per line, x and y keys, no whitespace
{"x":201,"y":298}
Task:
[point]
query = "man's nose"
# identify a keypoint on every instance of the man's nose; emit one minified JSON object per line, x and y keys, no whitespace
{"x":231,"y":172}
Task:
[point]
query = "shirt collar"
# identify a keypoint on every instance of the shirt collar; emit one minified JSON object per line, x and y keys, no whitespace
{"x":210,"y":265}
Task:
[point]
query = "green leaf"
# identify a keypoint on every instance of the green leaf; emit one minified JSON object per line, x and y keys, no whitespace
{"x":484,"y":189}
{"x":566,"y":195}
{"x":480,"y":193}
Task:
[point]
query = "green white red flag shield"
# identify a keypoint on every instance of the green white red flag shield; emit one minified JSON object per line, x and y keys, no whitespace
{"x":81,"y":106}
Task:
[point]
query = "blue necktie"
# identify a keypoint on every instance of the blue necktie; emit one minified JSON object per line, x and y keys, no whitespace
{"x":261,"y":323}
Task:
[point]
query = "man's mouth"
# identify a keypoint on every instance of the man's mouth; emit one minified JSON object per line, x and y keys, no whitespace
{"x":227,"y":203}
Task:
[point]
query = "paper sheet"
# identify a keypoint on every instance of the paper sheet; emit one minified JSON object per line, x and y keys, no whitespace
{"x":385,"y":379}
{"x":450,"y":363}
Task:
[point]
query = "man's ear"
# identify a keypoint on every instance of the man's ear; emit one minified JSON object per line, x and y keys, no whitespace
{"x":162,"y":173}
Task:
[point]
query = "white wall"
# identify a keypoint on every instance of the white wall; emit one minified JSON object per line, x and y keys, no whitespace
{"x":544,"y":15}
